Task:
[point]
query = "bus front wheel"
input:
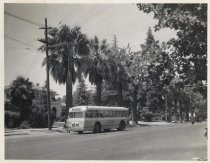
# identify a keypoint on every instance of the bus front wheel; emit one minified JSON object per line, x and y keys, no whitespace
{"x":80,"y":132}
{"x":121,"y":126}
{"x":97,"y":128}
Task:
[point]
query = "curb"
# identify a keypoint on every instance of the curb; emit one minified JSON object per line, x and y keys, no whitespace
{"x":16,"y":134}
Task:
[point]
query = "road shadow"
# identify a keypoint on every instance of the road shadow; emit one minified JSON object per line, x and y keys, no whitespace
{"x":102,"y":132}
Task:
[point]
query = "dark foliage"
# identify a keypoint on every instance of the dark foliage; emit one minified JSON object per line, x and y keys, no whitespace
{"x":12,"y":119}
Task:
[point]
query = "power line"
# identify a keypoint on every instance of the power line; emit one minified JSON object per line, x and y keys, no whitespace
{"x":29,"y":69}
{"x":23,"y":19}
{"x":19,"y":41}
{"x":9,"y":47}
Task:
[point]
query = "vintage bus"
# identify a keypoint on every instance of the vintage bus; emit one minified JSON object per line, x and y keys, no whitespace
{"x":97,"y":118}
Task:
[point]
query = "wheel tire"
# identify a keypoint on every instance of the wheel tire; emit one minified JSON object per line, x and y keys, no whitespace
{"x":97,"y":128}
{"x":80,"y":132}
{"x":121,"y":126}
{"x":106,"y":130}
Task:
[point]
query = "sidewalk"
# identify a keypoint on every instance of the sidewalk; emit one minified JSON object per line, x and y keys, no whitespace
{"x":57,"y":127}
{"x":161,"y":123}
{"x":33,"y":131}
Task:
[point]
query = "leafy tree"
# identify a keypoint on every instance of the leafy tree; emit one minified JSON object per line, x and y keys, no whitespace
{"x":21,"y":97}
{"x":177,"y":95}
{"x":119,"y":77}
{"x":149,"y":70}
{"x":130,"y":60}
{"x":66,"y":46}
{"x":190,"y":47}
{"x":81,"y":96}
{"x":196,"y":100}
{"x":109,"y":94}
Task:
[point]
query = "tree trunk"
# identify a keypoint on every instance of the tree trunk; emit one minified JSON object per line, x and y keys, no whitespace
{"x":187,"y":108}
{"x":175,"y":109}
{"x":98,"y":91}
{"x":166,"y":106}
{"x":120,"y":96}
{"x":169,"y":114}
{"x":135,"y":103}
{"x":69,"y":99}
{"x":181,"y":111}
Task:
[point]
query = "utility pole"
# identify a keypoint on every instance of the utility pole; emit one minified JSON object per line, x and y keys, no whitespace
{"x":47,"y":69}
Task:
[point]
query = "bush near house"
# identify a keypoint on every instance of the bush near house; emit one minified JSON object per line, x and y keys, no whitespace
{"x":146,"y":115}
{"x":40,"y":120}
{"x":12,"y":119}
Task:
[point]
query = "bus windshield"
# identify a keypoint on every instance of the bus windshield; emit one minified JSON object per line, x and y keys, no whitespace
{"x":76,"y":115}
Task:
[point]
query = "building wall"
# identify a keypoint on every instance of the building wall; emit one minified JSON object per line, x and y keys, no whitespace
{"x":58,"y":107}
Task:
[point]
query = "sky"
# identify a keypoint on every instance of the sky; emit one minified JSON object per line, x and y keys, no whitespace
{"x":21,"y":56}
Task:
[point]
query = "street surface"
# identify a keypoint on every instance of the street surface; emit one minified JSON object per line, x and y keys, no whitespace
{"x":173,"y":142}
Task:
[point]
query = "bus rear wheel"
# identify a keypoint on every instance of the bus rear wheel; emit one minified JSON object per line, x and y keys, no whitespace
{"x":97,"y":128}
{"x":106,"y":130}
{"x":121,"y":126}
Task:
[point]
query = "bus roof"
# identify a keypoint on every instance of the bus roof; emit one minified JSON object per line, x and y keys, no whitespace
{"x":85,"y":108}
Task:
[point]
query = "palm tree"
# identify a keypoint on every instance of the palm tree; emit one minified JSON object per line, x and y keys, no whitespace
{"x":97,"y":65}
{"x":66,"y":47}
{"x":21,"y":97}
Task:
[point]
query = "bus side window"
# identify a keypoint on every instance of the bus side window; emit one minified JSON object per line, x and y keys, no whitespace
{"x":106,"y":113}
{"x":112,"y":114}
{"x":87,"y":114}
{"x":121,"y":113}
{"x":102,"y":114}
{"x":116,"y":113}
{"x":95,"y":113}
{"x":91,"y":114}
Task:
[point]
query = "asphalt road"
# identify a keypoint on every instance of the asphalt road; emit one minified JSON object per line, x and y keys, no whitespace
{"x":174,"y":142}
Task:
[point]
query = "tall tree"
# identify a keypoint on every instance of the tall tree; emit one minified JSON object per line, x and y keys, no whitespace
{"x":119,"y":77}
{"x":160,"y":71}
{"x":131,"y":60}
{"x":81,"y":95}
{"x":66,"y":46}
{"x":21,"y":97}
{"x":190,"y":47}
{"x":97,"y":66}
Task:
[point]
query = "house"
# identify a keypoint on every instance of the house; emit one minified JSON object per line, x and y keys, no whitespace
{"x":40,"y":100}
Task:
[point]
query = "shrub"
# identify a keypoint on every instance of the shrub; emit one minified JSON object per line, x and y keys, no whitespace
{"x":25,"y":125}
{"x":146,"y":115}
{"x":39,"y":120}
{"x":12,"y":119}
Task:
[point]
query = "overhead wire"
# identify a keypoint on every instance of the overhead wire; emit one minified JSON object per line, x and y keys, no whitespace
{"x":23,"y":19}
{"x":28,"y":45}
{"x":21,"y":42}
{"x":9,"y":47}
{"x":84,"y":19}
{"x":29,"y":69}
